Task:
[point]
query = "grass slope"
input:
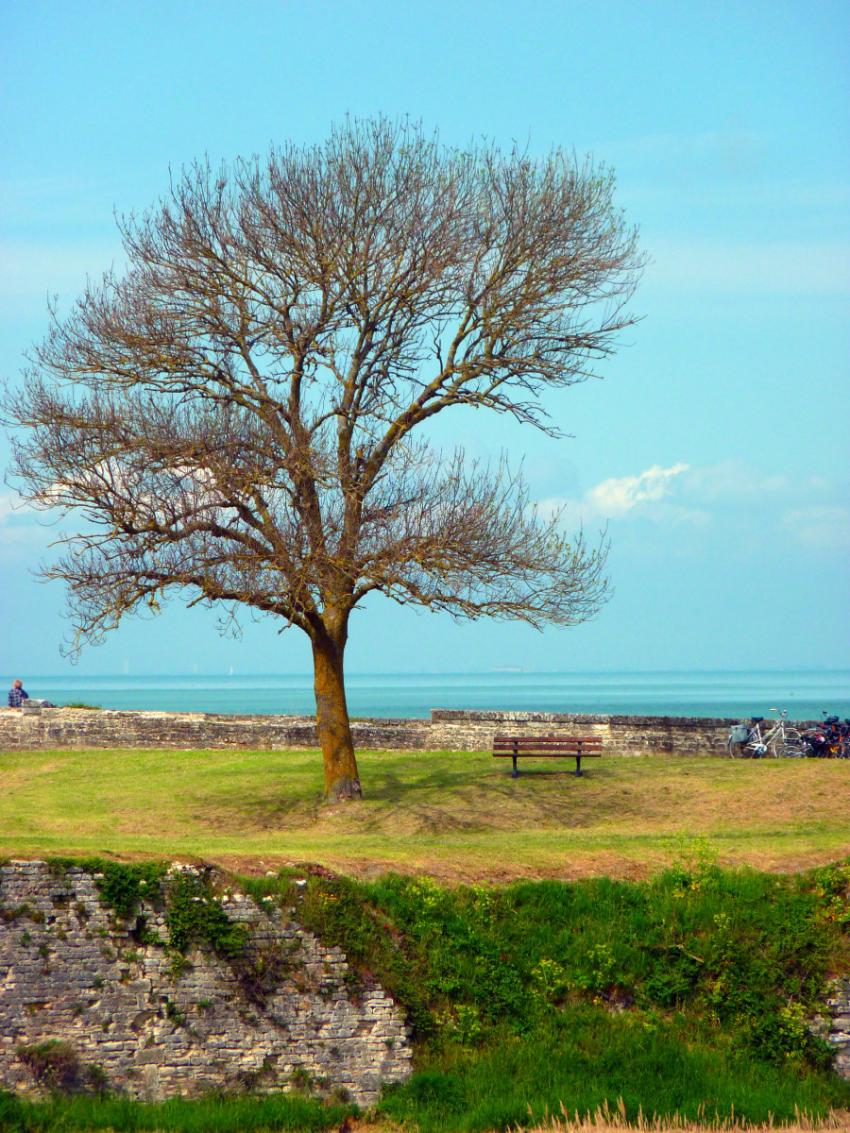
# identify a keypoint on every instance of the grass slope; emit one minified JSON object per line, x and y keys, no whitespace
{"x":687,"y":995}
{"x":457,"y":816}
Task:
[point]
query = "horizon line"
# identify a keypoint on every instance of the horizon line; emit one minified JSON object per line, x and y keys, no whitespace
{"x":507,"y":672}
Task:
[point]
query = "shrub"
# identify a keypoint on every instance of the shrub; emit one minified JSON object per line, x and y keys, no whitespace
{"x":55,"y":1065}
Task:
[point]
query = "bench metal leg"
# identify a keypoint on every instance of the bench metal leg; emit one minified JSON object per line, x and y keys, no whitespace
{"x":578,"y":765}
{"x":514,"y":773}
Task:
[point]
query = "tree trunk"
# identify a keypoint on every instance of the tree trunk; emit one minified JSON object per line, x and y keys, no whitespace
{"x":342,"y":779}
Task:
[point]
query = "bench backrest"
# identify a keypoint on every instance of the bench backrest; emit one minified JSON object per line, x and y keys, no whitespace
{"x":547,"y":745}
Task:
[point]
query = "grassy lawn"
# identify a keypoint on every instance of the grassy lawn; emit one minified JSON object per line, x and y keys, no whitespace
{"x":457,"y":816}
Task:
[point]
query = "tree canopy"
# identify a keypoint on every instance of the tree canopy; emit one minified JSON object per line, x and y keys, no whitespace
{"x":238,"y":414}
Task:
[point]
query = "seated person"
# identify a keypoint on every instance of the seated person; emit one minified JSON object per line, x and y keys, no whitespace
{"x":17,"y":694}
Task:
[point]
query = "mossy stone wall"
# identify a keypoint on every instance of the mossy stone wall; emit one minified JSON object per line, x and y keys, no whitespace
{"x":107,"y":1001}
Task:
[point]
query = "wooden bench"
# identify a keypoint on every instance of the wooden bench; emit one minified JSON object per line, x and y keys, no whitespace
{"x":547,"y":747}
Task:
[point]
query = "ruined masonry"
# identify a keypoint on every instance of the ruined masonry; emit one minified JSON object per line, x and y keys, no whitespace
{"x":131,"y":1020}
{"x":836,"y":1026}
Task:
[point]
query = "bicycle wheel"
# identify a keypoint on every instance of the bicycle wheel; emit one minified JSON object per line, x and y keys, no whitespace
{"x":733,"y":748}
{"x":793,"y":744}
{"x":782,"y":748}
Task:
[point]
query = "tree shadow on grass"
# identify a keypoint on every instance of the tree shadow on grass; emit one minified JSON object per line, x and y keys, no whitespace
{"x":477,"y":800}
{"x":449,"y":796}
{"x":245,"y":812}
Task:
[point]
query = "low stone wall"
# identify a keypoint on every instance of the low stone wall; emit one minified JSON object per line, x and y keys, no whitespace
{"x":622,"y":735}
{"x":33,"y":728}
{"x":131,"y":1020}
{"x":447,"y":729}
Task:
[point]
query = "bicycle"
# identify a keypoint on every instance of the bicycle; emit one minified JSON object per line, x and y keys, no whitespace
{"x":778,"y":740}
{"x":829,"y":740}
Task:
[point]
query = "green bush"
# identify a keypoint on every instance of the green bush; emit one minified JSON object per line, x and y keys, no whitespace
{"x":194,"y":916}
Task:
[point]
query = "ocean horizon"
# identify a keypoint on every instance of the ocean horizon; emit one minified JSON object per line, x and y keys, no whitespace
{"x":805,"y":693}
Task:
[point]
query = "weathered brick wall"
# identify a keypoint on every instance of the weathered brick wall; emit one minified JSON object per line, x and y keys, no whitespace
{"x":70,"y":970}
{"x":447,"y":729}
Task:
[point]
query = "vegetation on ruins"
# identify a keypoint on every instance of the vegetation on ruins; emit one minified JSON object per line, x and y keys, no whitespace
{"x":689,"y":994}
{"x":239,"y":415}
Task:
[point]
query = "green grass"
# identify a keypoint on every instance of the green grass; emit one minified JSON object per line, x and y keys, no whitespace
{"x":589,"y":1058}
{"x":454,"y":815}
{"x":208,"y":1115}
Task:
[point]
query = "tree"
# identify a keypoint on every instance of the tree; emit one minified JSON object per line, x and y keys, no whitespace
{"x":238,"y":414}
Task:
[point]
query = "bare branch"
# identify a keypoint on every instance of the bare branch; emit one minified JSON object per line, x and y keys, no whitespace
{"x":237,"y":416}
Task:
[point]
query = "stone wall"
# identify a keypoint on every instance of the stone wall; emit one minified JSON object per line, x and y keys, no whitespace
{"x":132,"y":1020}
{"x":622,"y":735}
{"x":127,"y":1017}
{"x":32,"y":728}
{"x":447,"y":729}
{"x":836,"y":1026}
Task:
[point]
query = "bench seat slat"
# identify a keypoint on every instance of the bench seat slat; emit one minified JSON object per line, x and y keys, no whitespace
{"x":546,"y":745}
{"x":543,"y":740}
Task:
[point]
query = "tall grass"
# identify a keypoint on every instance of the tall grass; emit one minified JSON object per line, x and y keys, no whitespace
{"x":604,"y":1120}
{"x":587,"y":1058}
{"x":179,"y":1115}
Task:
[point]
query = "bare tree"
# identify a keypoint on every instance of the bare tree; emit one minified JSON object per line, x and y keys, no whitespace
{"x":237,"y":415}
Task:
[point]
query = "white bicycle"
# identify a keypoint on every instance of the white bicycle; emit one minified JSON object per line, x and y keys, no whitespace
{"x":778,"y":740}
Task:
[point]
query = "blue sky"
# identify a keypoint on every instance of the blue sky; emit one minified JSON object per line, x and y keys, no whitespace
{"x":716,"y":447}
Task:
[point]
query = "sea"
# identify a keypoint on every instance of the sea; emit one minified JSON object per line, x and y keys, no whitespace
{"x":804,"y":693}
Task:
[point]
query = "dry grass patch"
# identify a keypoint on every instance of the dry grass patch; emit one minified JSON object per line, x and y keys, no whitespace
{"x":604,"y":1121}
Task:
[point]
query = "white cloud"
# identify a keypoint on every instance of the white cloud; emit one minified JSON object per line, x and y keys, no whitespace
{"x":59,"y":199}
{"x":821,"y":527}
{"x":644,"y":493}
{"x":622,"y":493}
{"x":735,"y":500}
{"x":34,"y":270}
{"x":12,"y":509}
{"x":21,"y":527}
{"x":733,"y":147}
{"x":733,"y":481}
